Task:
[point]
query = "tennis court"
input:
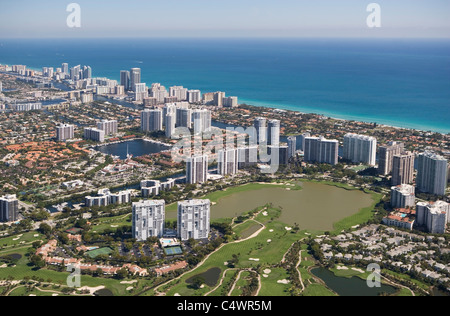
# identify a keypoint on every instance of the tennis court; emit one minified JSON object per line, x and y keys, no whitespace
{"x":172,"y":251}
{"x":97,"y":252}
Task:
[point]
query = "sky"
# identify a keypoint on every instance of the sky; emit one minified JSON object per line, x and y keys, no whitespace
{"x":224,"y":18}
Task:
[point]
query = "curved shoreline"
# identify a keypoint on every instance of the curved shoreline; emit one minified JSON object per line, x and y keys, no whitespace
{"x":343,"y":117}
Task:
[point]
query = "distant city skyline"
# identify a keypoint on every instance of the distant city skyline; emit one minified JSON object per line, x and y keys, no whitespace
{"x":206,"y":18}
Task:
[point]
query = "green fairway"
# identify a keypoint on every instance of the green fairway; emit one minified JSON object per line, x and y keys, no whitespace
{"x":253,"y":252}
{"x":112,"y":223}
{"x":317,"y":290}
{"x":19,"y":240}
{"x":270,"y":285}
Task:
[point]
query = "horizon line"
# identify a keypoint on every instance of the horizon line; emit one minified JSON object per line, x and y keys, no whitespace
{"x":230,"y":37}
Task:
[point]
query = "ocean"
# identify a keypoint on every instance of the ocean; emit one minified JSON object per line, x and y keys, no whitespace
{"x":398,"y":82}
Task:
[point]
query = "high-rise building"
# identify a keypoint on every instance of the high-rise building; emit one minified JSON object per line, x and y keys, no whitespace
{"x":432,"y":173}
{"x":159,"y":92}
{"x":360,"y":149}
{"x":197,"y":169}
{"x":194,"y":219}
{"x":403,"y":196}
{"x":292,"y":146}
{"x":247,"y":156}
{"x":179,"y":92}
{"x":208,"y":98}
{"x":110,"y":127}
{"x":125,"y":79}
{"x":230,"y":102}
{"x":194,"y":96}
{"x":151,"y":120}
{"x":9,"y":208}
{"x":170,"y":120}
{"x":302,"y":138}
{"x":278,"y":154}
{"x":65,"y":69}
{"x":135,"y":77}
{"x":64,"y":132}
{"x":433,"y":216}
{"x":321,"y":150}
{"x":105,"y":197}
{"x":202,"y":121}
{"x":386,"y":156}
{"x":218,"y":98}
{"x":228,"y":161}
{"x":148,"y":219}
{"x":154,"y":187}
{"x":273,"y":137}
{"x":184,"y":118}
{"x":87,"y":72}
{"x":140,"y":91}
{"x":94,"y":134}
{"x":1,"y":87}
{"x":169,"y":108}
{"x":75,"y":73}
{"x":261,"y":130}
{"x":403,"y":169}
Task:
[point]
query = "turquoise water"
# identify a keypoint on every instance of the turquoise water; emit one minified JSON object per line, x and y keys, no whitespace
{"x":403,"y":83}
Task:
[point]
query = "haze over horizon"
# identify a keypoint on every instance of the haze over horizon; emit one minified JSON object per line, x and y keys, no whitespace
{"x":206,"y":18}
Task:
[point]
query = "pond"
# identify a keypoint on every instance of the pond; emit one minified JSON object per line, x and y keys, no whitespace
{"x":316,"y":207}
{"x":137,"y":148}
{"x":353,"y":286}
{"x":104,"y":292}
{"x":211,"y":277}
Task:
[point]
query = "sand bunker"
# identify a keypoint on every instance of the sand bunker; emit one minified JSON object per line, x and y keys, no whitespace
{"x":283,"y":281}
{"x":128,"y":282}
{"x":91,"y":290}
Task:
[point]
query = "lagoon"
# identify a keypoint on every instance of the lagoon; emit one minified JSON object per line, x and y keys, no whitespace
{"x":137,"y":148}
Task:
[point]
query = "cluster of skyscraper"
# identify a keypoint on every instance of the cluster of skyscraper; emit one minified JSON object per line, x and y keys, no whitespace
{"x":104,"y":128}
{"x":175,"y":115}
{"x":193,"y":219}
{"x":158,"y":94}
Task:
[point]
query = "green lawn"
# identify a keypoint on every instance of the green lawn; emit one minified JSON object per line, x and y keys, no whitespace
{"x":268,"y":253}
{"x":221,"y":290}
{"x":270,"y":285}
{"x":240,"y":283}
{"x":22,"y":270}
{"x":317,"y":290}
{"x":19,"y":240}
{"x":111,"y":223}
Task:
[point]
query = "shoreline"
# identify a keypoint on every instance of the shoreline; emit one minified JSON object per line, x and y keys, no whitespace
{"x":134,"y":139}
{"x":334,"y":116}
{"x":316,"y":111}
